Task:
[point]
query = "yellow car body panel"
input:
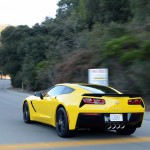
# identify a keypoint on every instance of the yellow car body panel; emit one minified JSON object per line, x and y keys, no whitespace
{"x":44,"y":110}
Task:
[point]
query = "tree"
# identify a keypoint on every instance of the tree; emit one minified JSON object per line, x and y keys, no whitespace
{"x":104,"y":11}
{"x":141,"y":10}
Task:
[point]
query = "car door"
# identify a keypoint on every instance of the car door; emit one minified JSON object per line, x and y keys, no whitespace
{"x":44,"y":107}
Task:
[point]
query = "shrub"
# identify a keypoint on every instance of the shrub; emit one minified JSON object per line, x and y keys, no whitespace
{"x":131,"y":56}
{"x":119,"y":46}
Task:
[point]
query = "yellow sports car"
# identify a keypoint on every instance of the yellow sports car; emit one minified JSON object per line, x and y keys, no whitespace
{"x":69,"y":107}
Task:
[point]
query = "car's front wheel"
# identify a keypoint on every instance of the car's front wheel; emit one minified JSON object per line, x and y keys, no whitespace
{"x":62,"y":125}
{"x":26,"y":113}
{"x":126,"y":131}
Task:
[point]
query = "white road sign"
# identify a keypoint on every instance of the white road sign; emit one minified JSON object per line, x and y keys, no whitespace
{"x":98,"y":76}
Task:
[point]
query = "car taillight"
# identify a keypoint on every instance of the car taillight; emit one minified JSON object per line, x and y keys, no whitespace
{"x":93,"y":101}
{"x":134,"y":101}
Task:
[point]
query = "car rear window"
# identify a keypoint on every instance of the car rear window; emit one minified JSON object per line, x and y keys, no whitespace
{"x":97,"y":89}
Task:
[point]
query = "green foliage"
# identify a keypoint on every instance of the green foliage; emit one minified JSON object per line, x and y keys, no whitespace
{"x":104,"y":11}
{"x":131,"y":56}
{"x":85,"y":34}
{"x":96,"y":36}
{"x":117,"y":47}
{"x":115,"y":30}
{"x":146,"y":51}
{"x":141,"y":10}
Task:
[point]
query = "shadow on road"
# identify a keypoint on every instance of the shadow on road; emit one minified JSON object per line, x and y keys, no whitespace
{"x":81,"y":134}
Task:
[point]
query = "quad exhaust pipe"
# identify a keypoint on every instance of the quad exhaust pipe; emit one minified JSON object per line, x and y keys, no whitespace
{"x":112,"y":126}
{"x":122,"y":126}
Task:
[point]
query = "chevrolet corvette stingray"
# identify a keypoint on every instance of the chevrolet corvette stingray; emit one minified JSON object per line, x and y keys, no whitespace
{"x":69,"y":107}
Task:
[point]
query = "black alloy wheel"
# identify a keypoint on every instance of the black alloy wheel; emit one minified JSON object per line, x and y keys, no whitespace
{"x":62,"y":125}
{"x":26,"y":113}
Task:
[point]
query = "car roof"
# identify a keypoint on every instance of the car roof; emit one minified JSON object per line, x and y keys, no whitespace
{"x":78,"y":85}
{"x":75,"y":85}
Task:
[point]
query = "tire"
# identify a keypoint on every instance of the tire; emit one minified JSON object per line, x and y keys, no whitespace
{"x":26,"y":113}
{"x":62,"y":125}
{"x":126,"y":131}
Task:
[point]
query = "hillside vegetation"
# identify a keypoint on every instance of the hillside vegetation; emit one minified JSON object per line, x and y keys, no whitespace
{"x":85,"y":34}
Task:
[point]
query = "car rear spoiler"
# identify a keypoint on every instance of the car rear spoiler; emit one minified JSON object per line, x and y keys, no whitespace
{"x":111,"y":95}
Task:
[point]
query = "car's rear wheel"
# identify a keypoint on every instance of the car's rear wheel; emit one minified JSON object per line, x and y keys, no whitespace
{"x":126,"y":131}
{"x":62,"y":125}
{"x":26,"y":113}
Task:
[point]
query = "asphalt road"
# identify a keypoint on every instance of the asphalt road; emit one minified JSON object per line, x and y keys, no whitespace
{"x":16,"y":135}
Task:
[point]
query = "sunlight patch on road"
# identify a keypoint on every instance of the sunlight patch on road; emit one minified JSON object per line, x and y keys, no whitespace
{"x":63,"y":144}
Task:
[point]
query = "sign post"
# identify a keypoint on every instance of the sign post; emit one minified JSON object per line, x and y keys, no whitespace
{"x":98,"y":76}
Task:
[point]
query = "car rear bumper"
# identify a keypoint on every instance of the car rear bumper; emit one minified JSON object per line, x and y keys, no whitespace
{"x":102,"y":120}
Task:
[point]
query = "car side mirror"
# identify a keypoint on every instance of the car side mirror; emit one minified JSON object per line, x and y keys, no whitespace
{"x":39,"y":94}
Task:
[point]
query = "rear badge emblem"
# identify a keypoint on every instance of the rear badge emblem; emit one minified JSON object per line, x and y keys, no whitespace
{"x":116,"y":102}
